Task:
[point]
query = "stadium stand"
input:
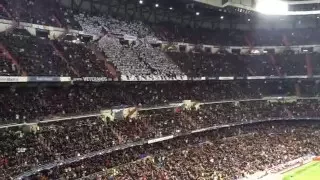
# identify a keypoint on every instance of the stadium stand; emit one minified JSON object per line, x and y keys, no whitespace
{"x":65,"y":58}
{"x":39,"y":12}
{"x":42,"y":102}
{"x":212,"y":106}
{"x":201,"y":155}
{"x":57,"y":141}
{"x":35,"y":56}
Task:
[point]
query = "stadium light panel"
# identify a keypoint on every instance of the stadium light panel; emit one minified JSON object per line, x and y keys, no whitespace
{"x":272,"y":7}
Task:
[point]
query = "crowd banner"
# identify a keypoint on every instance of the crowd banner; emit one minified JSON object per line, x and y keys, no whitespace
{"x":13,"y":79}
{"x":189,"y":104}
{"x":129,"y":37}
{"x":118,"y":113}
{"x":151,"y":141}
{"x":130,"y":112}
{"x":226,"y":78}
{"x":48,"y":79}
{"x":153,"y":40}
{"x":21,"y":79}
{"x":107,"y":115}
{"x":93,"y":79}
{"x":132,"y":78}
{"x":256,"y":77}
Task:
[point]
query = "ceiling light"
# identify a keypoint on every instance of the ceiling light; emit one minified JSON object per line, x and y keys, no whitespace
{"x":140,"y":2}
{"x":221,"y":17}
{"x":170,"y":8}
{"x":156,"y":5}
{"x":197,"y":13}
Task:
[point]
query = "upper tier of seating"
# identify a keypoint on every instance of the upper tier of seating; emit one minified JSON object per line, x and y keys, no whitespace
{"x":24,"y":54}
{"x":109,"y":56}
{"x":51,"y":13}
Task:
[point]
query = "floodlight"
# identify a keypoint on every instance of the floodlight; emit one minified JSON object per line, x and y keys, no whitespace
{"x":272,"y":7}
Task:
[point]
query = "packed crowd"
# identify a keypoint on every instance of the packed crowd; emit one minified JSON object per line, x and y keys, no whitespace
{"x":53,"y":14}
{"x":96,"y":25}
{"x":24,"y":54}
{"x":130,"y":48}
{"x":82,"y":59}
{"x":26,"y":104}
{"x":304,"y":7}
{"x":226,"y":153}
{"x":7,"y":68}
{"x":139,"y":58}
{"x":226,"y":37}
{"x":38,"y":12}
{"x":167,"y":31}
{"x":201,"y":64}
{"x":57,"y":141}
{"x":35,"y":56}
